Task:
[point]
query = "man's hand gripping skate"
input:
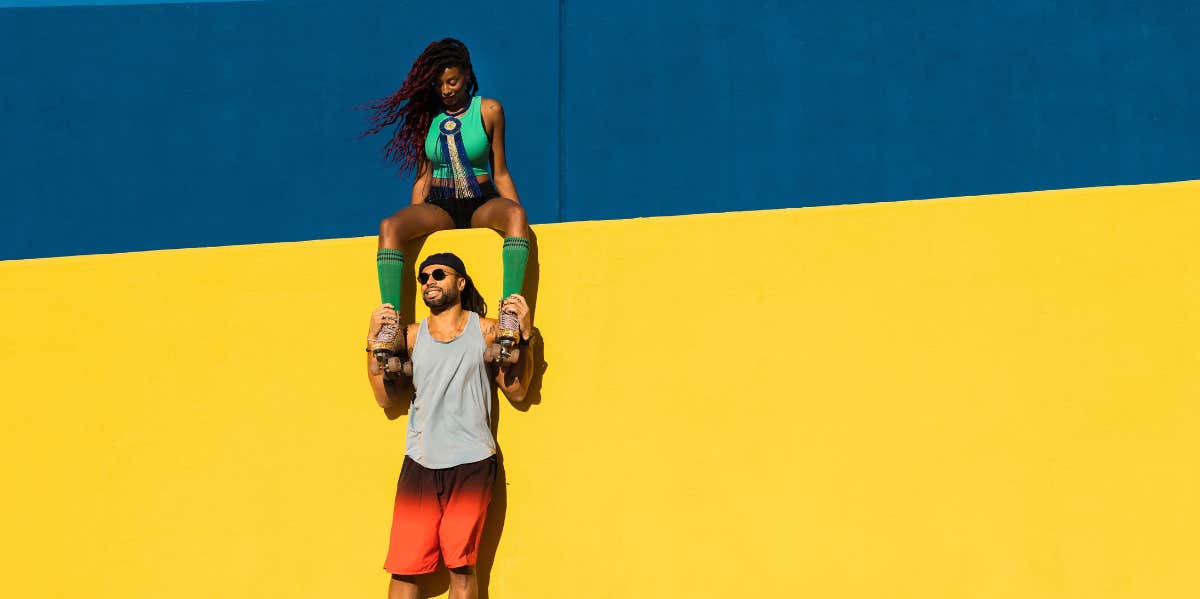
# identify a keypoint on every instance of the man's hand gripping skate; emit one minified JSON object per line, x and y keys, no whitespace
{"x":386,"y":315}
{"x":511,"y":375}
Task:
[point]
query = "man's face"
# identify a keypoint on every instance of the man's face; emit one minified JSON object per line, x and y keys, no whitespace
{"x":440,"y":293}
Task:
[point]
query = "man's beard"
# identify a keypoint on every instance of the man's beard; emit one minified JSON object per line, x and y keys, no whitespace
{"x":448,"y":297}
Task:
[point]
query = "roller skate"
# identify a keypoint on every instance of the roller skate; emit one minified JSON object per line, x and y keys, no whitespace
{"x":390,"y":354}
{"x":505,"y":348}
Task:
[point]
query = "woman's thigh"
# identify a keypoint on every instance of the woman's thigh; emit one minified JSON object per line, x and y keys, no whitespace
{"x":501,"y":214}
{"x":411,"y":222}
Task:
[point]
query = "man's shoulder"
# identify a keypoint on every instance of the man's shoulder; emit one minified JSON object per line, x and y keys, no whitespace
{"x":487,"y":325}
{"x":411,"y":330}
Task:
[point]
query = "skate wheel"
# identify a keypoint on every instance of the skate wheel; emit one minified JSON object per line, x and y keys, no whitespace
{"x":394,"y":365}
{"x":514,"y":354}
{"x":491,"y":353}
{"x":373,"y":368}
{"x":407,"y":368}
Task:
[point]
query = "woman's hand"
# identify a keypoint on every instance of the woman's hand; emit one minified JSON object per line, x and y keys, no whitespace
{"x":516,"y":303}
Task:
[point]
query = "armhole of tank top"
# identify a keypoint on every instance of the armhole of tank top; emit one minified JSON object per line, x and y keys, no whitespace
{"x":432,"y":140}
{"x":479,"y":326}
{"x":483,"y":124}
{"x":421,"y":328}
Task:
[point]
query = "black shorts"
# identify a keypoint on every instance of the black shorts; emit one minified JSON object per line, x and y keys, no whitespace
{"x":461,"y":209}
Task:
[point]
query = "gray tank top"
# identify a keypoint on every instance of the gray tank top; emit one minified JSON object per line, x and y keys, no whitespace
{"x":449,"y":422}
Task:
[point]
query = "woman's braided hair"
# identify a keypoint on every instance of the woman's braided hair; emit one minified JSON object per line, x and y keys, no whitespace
{"x":412,"y":107}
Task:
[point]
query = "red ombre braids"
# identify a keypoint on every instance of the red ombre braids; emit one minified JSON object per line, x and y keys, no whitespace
{"x":411,"y":108}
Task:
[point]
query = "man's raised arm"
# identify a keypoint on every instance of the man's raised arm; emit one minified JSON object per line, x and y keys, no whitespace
{"x":387,"y":387}
{"x":513,"y":380}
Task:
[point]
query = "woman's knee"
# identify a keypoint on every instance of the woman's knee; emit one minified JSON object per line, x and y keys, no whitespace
{"x":515,"y":220}
{"x":392,"y":228}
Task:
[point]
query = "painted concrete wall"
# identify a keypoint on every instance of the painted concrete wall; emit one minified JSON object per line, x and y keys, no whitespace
{"x":985,"y":397}
{"x":179,"y":125}
{"x":183,"y":125}
{"x":768,"y":104}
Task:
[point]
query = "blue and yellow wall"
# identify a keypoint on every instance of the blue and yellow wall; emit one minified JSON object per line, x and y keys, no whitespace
{"x":984,"y":396}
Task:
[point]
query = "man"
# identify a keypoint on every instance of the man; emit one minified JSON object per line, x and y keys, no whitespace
{"x":450,"y":453}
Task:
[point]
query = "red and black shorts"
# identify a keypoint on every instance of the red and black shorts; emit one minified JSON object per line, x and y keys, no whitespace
{"x":438,"y":512}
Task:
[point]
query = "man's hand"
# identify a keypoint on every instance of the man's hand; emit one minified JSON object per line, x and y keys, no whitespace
{"x":382,"y":315}
{"x":516,"y":303}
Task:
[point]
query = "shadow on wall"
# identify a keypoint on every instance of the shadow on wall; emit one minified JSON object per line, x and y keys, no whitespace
{"x":533,"y":275}
{"x":493,"y":529}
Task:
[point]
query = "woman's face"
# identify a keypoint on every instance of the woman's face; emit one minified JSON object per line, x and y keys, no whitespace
{"x":451,"y":87}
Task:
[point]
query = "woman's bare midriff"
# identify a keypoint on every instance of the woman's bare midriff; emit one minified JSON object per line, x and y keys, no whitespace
{"x":450,"y":182}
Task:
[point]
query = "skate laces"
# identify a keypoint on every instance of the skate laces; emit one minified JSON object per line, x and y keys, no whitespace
{"x":508,"y":320}
{"x":387,"y":333}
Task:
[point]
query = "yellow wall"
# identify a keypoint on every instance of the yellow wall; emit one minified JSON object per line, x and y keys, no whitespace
{"x":971,"y":397}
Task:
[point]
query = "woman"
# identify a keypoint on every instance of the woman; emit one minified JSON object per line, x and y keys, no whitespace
{"x":454,"y":140}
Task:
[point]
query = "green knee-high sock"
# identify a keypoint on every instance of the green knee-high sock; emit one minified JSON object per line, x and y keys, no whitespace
{"x":515,"y":255}
{"x":391,"y":267}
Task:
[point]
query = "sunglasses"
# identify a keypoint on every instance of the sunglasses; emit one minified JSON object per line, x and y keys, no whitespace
{"x":437,"y":274}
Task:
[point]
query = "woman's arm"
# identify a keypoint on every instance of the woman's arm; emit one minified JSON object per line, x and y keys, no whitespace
{"x":420,"y":189}
{"x":493,"y":123}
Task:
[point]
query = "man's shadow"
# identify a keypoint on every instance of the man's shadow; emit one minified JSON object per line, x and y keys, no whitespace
{"x":438,"y":582}
{"x":493,"y":527}
{"x":537,"y":346}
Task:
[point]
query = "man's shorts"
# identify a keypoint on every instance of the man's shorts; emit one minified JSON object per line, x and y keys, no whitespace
{"x":438,"y":512}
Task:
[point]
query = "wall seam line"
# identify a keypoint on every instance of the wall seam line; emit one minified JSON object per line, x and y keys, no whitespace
{"x":562,"y":137}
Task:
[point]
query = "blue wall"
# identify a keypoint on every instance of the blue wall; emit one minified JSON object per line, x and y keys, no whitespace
{"x":149,"y":126}
{"x":158,"y":126}
{"x":775,"y":104}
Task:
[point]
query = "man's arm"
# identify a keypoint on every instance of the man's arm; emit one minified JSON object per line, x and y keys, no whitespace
{"x":514,"y":379}
{"x":388,"y":388}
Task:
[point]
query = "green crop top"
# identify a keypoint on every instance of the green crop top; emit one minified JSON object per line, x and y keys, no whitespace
{"x":474,"y":141}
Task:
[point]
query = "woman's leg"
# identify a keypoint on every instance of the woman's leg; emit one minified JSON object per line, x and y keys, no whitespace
{"x":507,"y":217}
{"x":409,"y":223}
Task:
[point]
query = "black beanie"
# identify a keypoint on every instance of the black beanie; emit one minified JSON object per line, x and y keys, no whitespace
{"x":446,"y":259}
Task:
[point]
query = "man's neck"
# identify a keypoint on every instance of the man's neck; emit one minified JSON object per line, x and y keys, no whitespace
{"x":448,"y":316}
{"x":447,"y":324}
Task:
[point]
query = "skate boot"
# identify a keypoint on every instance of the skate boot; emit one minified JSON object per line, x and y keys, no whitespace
{"x":505,"y":348}
{"x":389,"y":350}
